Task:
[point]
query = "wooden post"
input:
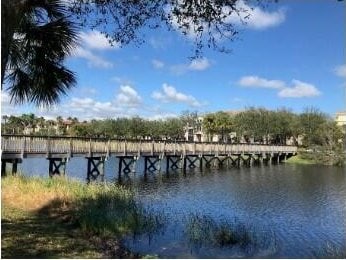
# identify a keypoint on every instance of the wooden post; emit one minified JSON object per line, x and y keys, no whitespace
{"x":145,"y":164}
{"x":184,"y":164}
{"x":108,"y":151}
{"x":152,"y":148}
{"x":71,"y":148}
{"x":167,"y":163}
{"x":3,"y":168}
{"x":270,"y":158}
{"x":23,"y":147}
{"x":14,"y":166}
{"x":140,"y":149}
{"x":48,"y":146}
{"x":250,"y":160}
{"x":95,"y":168}
{"x":127,"y":162}
{"x":150,"y":163}
{"x":120,"y":167}
{"x":201,"y":162}
{"x":57,"y":166}
{"x":90,"y":151}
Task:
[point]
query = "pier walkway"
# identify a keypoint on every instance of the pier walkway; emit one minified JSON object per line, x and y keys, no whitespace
{"x":178,"y":154}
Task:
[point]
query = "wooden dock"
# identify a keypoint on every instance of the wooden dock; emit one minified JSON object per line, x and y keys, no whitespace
{"x":178,"y":154}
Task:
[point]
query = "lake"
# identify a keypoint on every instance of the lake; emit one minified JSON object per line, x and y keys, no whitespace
{"x":286,"y":211}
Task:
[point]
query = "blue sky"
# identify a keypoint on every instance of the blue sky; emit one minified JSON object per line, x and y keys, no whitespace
{"x":289,"y":55}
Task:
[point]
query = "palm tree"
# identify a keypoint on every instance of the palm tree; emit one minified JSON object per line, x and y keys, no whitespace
{"x":36,"y":37}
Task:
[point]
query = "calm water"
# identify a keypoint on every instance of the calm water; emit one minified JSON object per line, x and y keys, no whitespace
{"x":291,"y":211}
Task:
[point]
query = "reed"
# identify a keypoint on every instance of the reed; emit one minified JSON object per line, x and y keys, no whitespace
{"x":203,"y":230}
{"x":94,"y":211}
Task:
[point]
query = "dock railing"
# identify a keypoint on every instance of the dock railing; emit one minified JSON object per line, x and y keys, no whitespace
{"x":27,"y":145}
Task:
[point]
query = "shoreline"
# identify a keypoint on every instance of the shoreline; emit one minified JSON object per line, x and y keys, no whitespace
{"x":331,"y":158}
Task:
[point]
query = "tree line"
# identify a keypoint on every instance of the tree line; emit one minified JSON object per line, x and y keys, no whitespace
{"x":259,"y":125}
{"x":309,"y":128}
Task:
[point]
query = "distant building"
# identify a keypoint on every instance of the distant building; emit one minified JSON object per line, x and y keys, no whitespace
{"x":340,"y":118}
{"x":194,"y":133}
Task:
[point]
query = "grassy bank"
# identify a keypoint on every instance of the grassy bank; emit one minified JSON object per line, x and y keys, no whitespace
{"x":320,"y":156}
{"x":61,"y":218}
{"x":300,"y":160}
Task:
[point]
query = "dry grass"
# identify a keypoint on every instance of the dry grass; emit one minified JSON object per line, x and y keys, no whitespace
{"x":33,"y":194}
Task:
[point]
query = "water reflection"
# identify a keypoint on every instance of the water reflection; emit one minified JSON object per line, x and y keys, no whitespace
{"x":295,"y":211}
{"x":292,"y":211}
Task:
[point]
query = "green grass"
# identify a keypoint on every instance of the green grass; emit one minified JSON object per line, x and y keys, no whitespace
{"x":319,"y":155}
{"x":299,"y":160}
{"x":61,"y":218}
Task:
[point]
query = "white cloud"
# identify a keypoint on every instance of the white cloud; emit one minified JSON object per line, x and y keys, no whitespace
{"x":159,"y":43}
{"x":93,"y":60}
{"x":6,"y":107}
{"x":128,"y":97}
{"x":195,"y":65}
{"x":96,"y":40}
{"x":199,"y":64}
{"x":88,"y":108}
{"x":93,"y":42}
{"x":255,"y":17}
{"x":341,"y":71}
{"x":257,"y":82}
{"x":162,"y":116}
{"x":178,"y":69}
{"x":157,"y":64}
{"x":262,"y":20}
{"x":170,"y":95}
{"x":126,"y":103}
{"x":298,"y":90}
{"x":122,"y":80}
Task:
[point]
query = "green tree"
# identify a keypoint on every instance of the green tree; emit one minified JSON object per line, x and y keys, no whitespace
{"x":220,"y":123}
{"x":249,"y":124}
{"x":173,"y":128}
{"x":14,"y":125}
{"x":36,"y":37}
{"x":283,"y":125}
{"x":311,"y":121}
{"x":209,"y":125}
{"x":4,"y":125}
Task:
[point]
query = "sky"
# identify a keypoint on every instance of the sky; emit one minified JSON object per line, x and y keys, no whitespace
{"x":291,"y":54}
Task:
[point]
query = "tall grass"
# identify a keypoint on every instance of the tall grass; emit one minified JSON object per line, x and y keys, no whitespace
{"x":249,"y":241}
{"x":101,"y":209}
{"x":203,"y":230}
{"x":322,"y":156}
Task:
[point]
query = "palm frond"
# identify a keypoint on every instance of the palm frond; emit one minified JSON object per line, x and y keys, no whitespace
{"x":42,"y":37}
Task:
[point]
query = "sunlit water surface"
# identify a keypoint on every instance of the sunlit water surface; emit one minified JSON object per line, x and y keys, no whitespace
{"x":291,"y":211}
